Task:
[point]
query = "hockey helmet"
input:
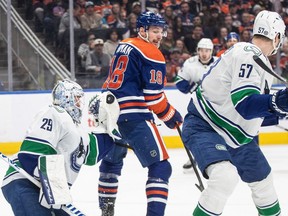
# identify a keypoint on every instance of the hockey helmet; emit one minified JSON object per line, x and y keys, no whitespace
{"x":148,"y":18}
{"x":270,"y":24}
{"x":232,"y":35}
{"x":70,"y":96}
{"x":205,"y":43}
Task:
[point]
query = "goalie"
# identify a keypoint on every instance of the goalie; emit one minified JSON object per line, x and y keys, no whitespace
{"x":56,"y":147}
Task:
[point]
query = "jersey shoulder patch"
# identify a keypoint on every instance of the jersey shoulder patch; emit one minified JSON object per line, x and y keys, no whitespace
{"x":252,"y":48}
{"x":148,"y":50}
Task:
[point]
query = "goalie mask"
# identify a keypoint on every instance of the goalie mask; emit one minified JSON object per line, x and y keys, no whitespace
{"x":271,"y":25}
{"x":70,"y":96}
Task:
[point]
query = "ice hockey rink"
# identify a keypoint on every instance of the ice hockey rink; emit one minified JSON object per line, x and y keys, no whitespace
{"x":183,"y":195}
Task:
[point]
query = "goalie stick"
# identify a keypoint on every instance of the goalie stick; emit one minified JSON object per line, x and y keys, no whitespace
{"x":267,"y":69}
{"x":69,"y":208}
{"x":200,"y":186}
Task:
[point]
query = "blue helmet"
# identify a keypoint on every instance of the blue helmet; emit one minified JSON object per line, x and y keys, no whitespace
{"x":149,"y":18}
{"x":233,"y":35}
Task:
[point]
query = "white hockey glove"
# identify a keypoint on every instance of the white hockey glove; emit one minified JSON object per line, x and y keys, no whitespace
{"x":54,"y":187}
{"x":105,"y":110}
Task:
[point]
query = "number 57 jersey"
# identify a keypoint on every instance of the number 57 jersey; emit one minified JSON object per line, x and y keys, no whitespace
{"x":136,"y":78}
{"x":232,"y":78}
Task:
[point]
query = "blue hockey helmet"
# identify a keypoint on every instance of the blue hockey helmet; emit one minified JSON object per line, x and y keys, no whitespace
{"x":149,"y":18}
{"x":233,"y":35}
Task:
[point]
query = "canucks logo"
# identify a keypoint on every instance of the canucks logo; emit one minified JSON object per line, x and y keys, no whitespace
{"x":220,"y":147}
{"x":252,"y":49}
{"x":78,"y":157}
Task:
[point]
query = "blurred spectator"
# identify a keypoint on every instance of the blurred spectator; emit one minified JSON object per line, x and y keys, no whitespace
{"x":175,"y":58}
{"x":183,"y":49}
{"x":85,"y":49}
{"x":82,"y":4}
{"x":152,"y":5}
{"x":192,"y":40}
{"x":256,"y":9}
{"x":228,"y":23}
{"x":112,"y":40}
{"x":233,"y":9}
{"x":136,"y":8}
{"x":38,"y":8}
{"x":171,"y":74}
{"x":267,"y":4}
{"x":126,"y":5}
{"x":231,"y":39}
{"x":245,"y":36}
{"x":178,"y":29}
{"x":246,"y":22}
{"x":167,"y":43}
{"x":97,"y":63}
{"x":53,"y":13}
{"x":65,"y":23}
{"x":174,"y":4}
{"x":186,"y":18}
{"x":169,"y":16}
{"x":220,"y":40}
{"x":90,"y":19}
{"x":132,"y":25}
{"x":114,"y":20}
{"x":214,"y":22}
{"x":104,"y":8}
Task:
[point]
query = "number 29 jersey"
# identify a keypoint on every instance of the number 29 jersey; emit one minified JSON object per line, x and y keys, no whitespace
{"x":136,"y":78}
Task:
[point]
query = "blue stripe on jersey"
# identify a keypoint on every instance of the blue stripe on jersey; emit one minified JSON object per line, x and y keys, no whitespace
{"x":37,"y":140}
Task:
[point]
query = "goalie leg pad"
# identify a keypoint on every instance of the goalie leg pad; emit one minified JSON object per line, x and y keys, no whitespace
{"x":265,"y":197}
{"x":223,"y":178}
{"x":53,"y":180}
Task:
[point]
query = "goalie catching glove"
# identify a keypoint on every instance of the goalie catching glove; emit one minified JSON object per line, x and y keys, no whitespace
{"x":279,"y":102}
{"x":105,"y":110}
{"x":171,"y":117}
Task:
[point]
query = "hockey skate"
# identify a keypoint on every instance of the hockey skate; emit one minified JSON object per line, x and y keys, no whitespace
{"x":108,"y":207}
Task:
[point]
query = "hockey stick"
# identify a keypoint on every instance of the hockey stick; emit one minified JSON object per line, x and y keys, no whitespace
{"x":200,"y":186}
{"x":69,"y":208}
{"x":267,"y":69}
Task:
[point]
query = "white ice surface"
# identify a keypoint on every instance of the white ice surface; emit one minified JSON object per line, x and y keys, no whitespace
{"x":183,"y":194}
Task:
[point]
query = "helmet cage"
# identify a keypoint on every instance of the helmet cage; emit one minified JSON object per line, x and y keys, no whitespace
{"x":70,"y":96}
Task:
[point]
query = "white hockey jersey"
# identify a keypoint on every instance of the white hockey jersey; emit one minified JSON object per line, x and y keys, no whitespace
{"x":54,"y":132}
{"x":233,"y":77}
{"x":192,"y":72}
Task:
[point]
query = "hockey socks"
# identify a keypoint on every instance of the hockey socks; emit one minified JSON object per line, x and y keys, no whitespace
{"x":107,"y":192}
{"x":157,"y":194}
{"x":270,"y":210}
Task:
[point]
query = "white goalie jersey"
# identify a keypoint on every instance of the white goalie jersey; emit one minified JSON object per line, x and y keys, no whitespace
{"x":223,"y":87}
{"x":54,"y":132}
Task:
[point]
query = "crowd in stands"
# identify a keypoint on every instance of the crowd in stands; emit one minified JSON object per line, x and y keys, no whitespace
{"x":100,"y":25}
